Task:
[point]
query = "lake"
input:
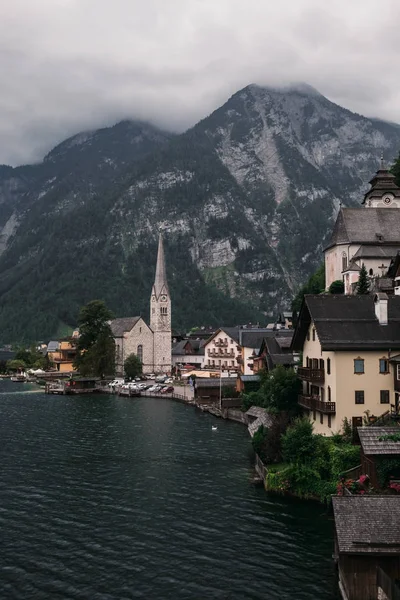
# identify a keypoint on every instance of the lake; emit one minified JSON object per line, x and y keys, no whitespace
{"x":110,"y":498}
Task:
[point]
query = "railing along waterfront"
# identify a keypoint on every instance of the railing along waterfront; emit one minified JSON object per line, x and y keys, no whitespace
{"x":315,"y":403}
{"x":309,"y":374}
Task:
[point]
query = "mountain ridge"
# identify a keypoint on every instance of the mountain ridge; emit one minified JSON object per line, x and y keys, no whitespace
{"x":246,"y":198}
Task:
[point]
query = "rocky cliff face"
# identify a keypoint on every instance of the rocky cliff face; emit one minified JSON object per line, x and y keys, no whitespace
{"x":246,"y":198}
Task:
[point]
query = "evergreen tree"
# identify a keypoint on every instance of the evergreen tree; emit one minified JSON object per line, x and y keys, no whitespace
{"x":363,"y":281}
{"x":95,"y":346}
{"x":315,"y":285}
{"x":396,"y":169}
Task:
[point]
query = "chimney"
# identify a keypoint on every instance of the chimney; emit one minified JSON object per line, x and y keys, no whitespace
{"x":381,"y":308}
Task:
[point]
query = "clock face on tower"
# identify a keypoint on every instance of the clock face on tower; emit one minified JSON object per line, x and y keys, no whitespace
{"x":387,"y":198}
{"x":163,"y":298}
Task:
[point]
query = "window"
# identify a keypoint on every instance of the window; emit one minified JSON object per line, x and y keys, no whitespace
{"x":139,"y":352}
{"x":164,"y":310}
{"x":398,"y":372}
{"x":314,"y":414}
{"x":344,"y":261}
{"x":384,"y":396}
{"x":140,"y":330}
{"x":371,"y":272}
{"x":383,"y":365}
{"x":359,"y":397}
{"x":321,"y":363}
{"x":307,"y":361}
{"x":313,"y":335}
{"x":329,"y":395}
{"x":328,"y":366}
{"x":329,"y":421}
{"x":358,"y":365}
{"x":321,"y":418}
{"x":308,"y":335}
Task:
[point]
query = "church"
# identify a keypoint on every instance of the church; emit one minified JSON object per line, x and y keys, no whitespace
{"x":132,"y":335}
{"x":366,"y":235}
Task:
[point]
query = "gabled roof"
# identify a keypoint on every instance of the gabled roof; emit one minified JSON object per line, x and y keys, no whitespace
{"x":366,"y":226}
{"x":197,"y":347}
{"x":371,"y":444}
{"x":367,"y":524}
{"x":253,"y":338}
{"x":123,"y":325}
{"x":232,"y":332}
{"x":348,"y":323}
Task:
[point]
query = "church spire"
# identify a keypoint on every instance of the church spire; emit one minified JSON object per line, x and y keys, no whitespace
{"x":160,"y":281}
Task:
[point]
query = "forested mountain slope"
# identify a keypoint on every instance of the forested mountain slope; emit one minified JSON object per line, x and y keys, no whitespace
{"x":246,"y":199}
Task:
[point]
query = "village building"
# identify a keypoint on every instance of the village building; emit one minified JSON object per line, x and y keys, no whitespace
{"x":62,"y":353}
{"x":377,"y":444}
{"x":368,"y":235}
{"x":367,"y":546}
{"x":151,"y":344}
{"x":350,"y":346}
{"x":188,"y":353}
{"x":276,"y":351}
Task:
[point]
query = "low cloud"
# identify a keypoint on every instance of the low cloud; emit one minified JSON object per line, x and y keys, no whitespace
{"x":69,"y":65}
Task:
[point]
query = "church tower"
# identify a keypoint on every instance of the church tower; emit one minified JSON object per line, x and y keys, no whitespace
{"x":160,"y":315}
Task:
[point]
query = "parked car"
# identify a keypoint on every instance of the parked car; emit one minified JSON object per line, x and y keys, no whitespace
{"x":161,"y":379}
{"x":154,"y":388}
{"x":116,"y":382}
{"x":168,"y":389}
{"x":141,"y":386}
{"x":169,"y":380}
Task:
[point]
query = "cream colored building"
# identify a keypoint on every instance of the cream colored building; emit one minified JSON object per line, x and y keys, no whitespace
{"x":222,"y":350}
{"x":368,"y":235}
{"x":151,"y":344}
{"x":348,"y":343}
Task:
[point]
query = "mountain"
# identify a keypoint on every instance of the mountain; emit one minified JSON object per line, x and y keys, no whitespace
{"x":246,"y":198}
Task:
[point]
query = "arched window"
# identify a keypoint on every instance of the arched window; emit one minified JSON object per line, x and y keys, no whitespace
{"x":328,"y":366}
{"x":329,"y":394}
{"x":344,"y":261}
{"x":139,"y":352}
{"x":313,"y":335}
{"x":371,"y":271}
{"x":164,"y":310}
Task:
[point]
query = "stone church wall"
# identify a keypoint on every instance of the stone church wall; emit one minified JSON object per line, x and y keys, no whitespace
{"x":142,"y":335}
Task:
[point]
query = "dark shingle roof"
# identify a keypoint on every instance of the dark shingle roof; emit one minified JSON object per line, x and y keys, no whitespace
{"x":369,"y":438}
{"x":364,"y":225}
{"x":215,"y":382}
{"x":247,"y":378}
{"x":120,"y":326}
{"x":376,"y":252}
{"x":348,"y":322}
{"x":367,"y":524}
{"x":53,"y":346}
{"x":253,"y":339}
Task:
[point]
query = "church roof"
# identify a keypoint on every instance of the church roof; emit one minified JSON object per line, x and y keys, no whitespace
{"x":120,"y":326}
{"x":376,"y":251}
{"x":160,"y":281}
{"x":366,"y":226}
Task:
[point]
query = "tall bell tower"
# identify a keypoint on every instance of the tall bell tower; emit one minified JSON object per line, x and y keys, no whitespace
{"x":160,"y":315}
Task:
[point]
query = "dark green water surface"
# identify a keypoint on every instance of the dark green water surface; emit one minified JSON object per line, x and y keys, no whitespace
{"x":105,"y":498}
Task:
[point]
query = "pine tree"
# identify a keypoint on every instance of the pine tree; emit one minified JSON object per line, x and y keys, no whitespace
{"x":363,"y":281}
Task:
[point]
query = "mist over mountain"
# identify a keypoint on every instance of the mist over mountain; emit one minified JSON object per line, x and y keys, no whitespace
{"x":246,"y":199}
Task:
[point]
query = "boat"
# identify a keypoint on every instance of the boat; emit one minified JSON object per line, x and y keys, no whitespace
{"x":19,"y":378}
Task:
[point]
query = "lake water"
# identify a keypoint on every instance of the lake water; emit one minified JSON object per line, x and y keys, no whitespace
{"x":107,"y":498}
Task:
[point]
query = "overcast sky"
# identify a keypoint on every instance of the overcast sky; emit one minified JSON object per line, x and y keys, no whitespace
{"x":68,"y":65}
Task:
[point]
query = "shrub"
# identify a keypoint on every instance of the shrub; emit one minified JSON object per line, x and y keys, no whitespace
{"x":299,"y":443}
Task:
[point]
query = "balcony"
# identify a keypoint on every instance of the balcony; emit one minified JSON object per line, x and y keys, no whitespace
{"x":221,"y":354}
{"x":315,"y":403}
{"x":221,"y":344}
{"x":309,"y":374}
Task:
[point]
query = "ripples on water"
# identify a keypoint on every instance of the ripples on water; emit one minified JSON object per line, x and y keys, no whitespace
{"x":104,"y":498}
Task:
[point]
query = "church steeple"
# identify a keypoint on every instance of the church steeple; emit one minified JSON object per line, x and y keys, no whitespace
{"x":384,"y":193}
{"x":160,"y":314}
{"x":160,"y":281}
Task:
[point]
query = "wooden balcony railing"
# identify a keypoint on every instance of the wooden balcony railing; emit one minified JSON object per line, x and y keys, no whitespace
{"x":221,"y":344}
{"x":315,"y":403}
{"x":221,"y":354}
{"x":309,"y":374}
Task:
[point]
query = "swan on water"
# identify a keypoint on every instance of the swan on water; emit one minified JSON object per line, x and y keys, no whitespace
{"x":214,"y":427}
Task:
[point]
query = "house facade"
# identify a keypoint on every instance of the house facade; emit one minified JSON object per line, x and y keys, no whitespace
{"x":62,"y":354}
{"x":222,"y":350}
{"x":368,"y":234}
{"x":188,"y":352}
{"x":151,"y":344}
{"x":347,"y":343}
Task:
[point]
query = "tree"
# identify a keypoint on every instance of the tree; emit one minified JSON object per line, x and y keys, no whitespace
{"x":95,"y":346}
{"x":395,"y":169}
{"x":315,"y":285}
{"x":363,"y":281}
{"x":336,"y":287}
{"x":16,"y":365}
{"x":132,"y":366}
{"x":299,"y":443}
{"x":280,"y":389}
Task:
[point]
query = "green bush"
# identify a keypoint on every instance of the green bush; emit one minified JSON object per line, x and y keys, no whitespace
{"x":299,"y":443}
{"x":343,"y":458}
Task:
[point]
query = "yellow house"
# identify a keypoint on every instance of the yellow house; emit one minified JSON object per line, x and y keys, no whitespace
{"x":348,"y":343}
{"x":62,"y":354}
